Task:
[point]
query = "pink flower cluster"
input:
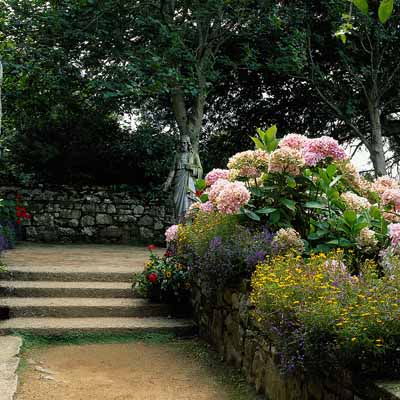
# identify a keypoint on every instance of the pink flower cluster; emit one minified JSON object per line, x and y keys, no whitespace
{"x":216,"y":174}
{"x":286,"y":160}
{"x":355,"y":202}
{"x":207,"y":207}
{"x":391,"y":197}
{"x":171,"y":234}
{"x":231,"y":197}
{"x":216,"y":189}
{"x":293,"y":141}
{"x":317,"y":150}
{"x":249,"y":164}
{"x":227,"y":197}
{"x":394,"y":234}
{"x":383,"y":183}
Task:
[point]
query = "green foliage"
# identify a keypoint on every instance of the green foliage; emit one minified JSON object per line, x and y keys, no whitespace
{"x":86,"y":150}
{"x":266,"y":140}
{"x":385,"y":10}
{"x":362,"y":5}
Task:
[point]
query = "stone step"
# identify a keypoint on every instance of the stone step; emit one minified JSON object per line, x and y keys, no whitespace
{"x":60,"y":326}
{"x":91,"y":273}
{"x":66,"y":289}
{"x":77,"y":307}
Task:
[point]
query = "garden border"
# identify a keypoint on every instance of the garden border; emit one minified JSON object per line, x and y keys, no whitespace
{"x":224,"y":320}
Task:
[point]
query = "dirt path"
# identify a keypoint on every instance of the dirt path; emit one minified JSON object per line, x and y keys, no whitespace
{"x":131,"y":371}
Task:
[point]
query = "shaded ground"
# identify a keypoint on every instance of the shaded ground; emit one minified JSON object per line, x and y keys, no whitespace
{"x":124,"y":371}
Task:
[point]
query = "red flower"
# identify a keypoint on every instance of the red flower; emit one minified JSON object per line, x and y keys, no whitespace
{"x":168,"y":253}
{"x":151,"y":247}
{"x":199,"y":193}
{"x":18,"y":221}
{"x":153,"y":277}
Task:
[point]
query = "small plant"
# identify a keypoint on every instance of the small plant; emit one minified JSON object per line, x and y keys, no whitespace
{"x":164,"y":279}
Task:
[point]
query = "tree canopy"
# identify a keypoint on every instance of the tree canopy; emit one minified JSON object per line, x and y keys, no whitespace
{"x":211,"y":70}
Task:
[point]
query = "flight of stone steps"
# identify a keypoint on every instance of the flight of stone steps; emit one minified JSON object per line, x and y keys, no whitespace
{"x":52,"y":289}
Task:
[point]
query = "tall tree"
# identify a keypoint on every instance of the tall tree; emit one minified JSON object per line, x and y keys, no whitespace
{"x":358,"y":79}
{"x":171,"y":52}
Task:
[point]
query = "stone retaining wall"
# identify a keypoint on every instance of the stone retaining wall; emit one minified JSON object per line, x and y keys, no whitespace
{"x":91,"y":214}
{"x":224,"y":320}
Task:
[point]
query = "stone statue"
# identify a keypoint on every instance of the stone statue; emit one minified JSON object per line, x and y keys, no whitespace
{"x":187,"y":168}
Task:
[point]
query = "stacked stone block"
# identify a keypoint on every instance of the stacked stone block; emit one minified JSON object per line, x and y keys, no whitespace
{"x":92,"y":214}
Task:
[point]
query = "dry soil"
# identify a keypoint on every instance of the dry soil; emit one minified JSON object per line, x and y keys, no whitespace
{"x":132,"y":371}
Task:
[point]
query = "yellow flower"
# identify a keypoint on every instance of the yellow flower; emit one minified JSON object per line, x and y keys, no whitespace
{"x":353,"y":339}
{"x":149,"y":264}
{"x":168,"y":274}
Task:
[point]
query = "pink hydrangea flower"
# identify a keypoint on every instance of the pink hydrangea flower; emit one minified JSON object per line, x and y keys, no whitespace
{"x":171,"y":234}
{"x":232,"y":196}
{"x":392,"y":197}
{"x":216,"y":174}
{"x":207,"y":207}
{"x":394,"y":234}
{"x":317,"y":150}
{"x":293,"y":141}
{"x":216,"y":188}
{"x":383,"y":183}
{"x":355,"y":202}
{"x":286,"y":160}
{"x":249,"y":164}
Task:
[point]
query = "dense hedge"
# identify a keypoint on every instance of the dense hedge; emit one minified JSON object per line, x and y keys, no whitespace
{"x":87,"y":149}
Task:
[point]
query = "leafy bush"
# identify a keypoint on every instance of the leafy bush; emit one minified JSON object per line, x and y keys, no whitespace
{"x":87,"y":148}
{"x":308,"y":185}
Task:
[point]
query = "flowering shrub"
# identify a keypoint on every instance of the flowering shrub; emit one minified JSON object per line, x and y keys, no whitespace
{"x":164,"y":279}
{"x":324,"y":243}
{"x":320,"y":316}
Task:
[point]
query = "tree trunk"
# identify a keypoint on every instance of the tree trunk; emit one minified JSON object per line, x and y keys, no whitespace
{"x":377,"y":152}
{"x":189,"y":125}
